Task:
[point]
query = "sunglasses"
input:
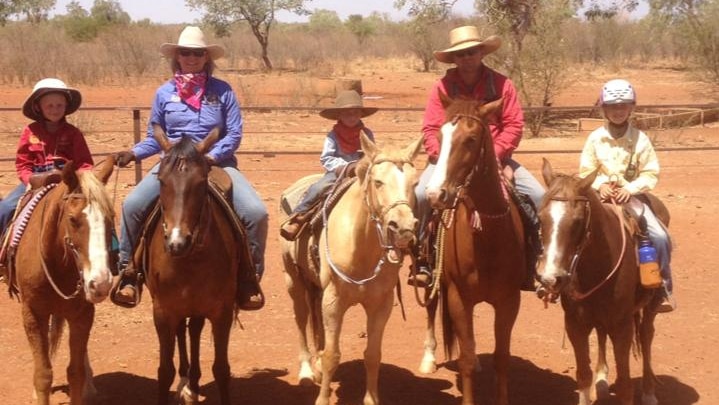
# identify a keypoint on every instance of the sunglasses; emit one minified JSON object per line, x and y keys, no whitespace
{"x":466,"y":52}
{"x":194,"y":52}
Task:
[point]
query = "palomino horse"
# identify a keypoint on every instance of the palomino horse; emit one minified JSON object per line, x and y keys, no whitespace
{"x":590,"y":261}
{"x":482,"y":247}
{"x":191,"y":265}
{"x":62,"y":268}
{"x":361,"y":248}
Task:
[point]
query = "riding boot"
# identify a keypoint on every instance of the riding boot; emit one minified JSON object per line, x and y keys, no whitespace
{"x":249,"y":292}
{"x":533,"y":242}
{"x":127,"y":291}
{"x":420,"y":272}
{"x":291,"y":229}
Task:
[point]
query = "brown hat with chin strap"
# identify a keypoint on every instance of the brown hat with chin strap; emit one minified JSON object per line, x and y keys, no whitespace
{"x":347,"y":100}
{"x":464,"y":38}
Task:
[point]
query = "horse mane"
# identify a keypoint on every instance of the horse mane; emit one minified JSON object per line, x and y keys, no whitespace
{"x":181,"y":151}
{"x":94,"y":190}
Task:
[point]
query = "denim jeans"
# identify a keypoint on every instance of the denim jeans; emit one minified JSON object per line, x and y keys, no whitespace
{"x":247,"y":204}
{"x":660,"y":239}
{"x":8,"y":205}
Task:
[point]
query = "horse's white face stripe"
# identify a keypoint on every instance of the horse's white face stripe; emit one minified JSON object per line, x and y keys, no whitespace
{"x":557,"y":211}
{"x":440,"y":172}
{"x":97,"y":248}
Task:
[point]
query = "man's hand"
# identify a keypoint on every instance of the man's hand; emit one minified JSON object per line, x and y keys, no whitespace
{"x":124,"y":158}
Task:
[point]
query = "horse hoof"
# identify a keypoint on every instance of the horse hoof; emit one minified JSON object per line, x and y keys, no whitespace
{"x":187,"y":397}
{"x":602,"y":388}
{"x":428,"y":367}
{"x":649,"y":399}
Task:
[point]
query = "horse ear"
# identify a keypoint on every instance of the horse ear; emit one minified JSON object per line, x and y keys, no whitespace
{"x":547,"y":172}
{"x":589,"y":180}
{"x":445,"y":99}
{"x":368,"y":147}
{"x":412,"y":150}
{"x":205,"y":145}
{"x":489,"y":108}
{"x":162,"y":139}
{"x":69,"y":176}
{"x":103,"y":171}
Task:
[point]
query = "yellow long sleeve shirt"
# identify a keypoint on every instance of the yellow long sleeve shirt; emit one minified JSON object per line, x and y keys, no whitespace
{"x":611,"y":156}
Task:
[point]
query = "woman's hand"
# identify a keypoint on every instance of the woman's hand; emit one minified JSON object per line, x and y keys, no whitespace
{"x":124,"y":158}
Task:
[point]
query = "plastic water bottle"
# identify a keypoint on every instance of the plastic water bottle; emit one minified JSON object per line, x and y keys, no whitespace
{"x":648,"y":265}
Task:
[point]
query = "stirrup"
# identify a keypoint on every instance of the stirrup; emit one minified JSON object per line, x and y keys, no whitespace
{"x":120,"y":300}
{"x":250,"y":296}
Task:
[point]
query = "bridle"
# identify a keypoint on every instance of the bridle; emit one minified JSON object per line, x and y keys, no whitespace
{"x":377,"y":217}
{"x":572,"y":273}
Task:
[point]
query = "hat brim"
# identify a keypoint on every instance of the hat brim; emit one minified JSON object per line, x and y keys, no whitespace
{"x":488,"y":45}
{"x":214,"y":51}
{"x":32,"y":111}
{"x":334,"y":113}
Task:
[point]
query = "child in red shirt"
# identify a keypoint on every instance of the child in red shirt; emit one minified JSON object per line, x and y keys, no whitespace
{"x":48,"y":141}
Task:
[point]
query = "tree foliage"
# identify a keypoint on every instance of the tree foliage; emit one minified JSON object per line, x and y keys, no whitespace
{"x":34,"y":11}
{"x":84,"y":26}
{"x":360,"y":27}
{"x":259,"y":14}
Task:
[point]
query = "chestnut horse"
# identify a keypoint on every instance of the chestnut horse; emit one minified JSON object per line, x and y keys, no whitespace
{"x":361,"y":248}
{"x":591,"y":262}
{"x":191,"y":264}
{"x":481,"y":240}
{"x":62,"y":268}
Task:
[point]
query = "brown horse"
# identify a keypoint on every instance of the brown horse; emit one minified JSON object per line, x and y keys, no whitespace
{"x":191,"y":262}
{"x":590,"y":261}
{"x":482,"y":246}
{"x":62,"y":264}
{"x":360,"y":251}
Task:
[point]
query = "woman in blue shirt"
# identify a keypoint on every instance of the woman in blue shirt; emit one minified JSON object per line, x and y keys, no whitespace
{"x":192,"y":103}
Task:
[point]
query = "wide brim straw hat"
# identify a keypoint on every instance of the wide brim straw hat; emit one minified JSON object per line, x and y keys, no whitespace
{"x":464,"y":38}
{"x":30,"y":107}
{"x":346,"y":100}
{"x":192,"y":38}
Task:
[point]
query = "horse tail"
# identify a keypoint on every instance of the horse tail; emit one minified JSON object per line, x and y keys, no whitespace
{"x":448,"y":336}
{"x":57,"y":326}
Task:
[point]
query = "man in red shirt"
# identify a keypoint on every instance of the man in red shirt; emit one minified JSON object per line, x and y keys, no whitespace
{"x":471,"y":78}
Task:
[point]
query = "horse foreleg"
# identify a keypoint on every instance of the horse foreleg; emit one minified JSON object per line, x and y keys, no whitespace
{"x":79,"y":334}
{"x":36,"y":330}
{"x":601,"y":378}
{"x":461,"y":314}
{"x":646,"y":337}
{"x":189,"y":386}
{"x":221,"y":367}
{"x":429,"y":359}
{"x":579,"y":337}
{"x":166,"y":329}
{"x":332,"y":316}
{"x":376,"y":322}
{"x":299,"y":295}
{"x":181,"y":335}
{"x":505,"y":314}
{"x":622,"y":344}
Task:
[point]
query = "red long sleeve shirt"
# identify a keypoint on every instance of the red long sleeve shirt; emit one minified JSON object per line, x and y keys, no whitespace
{"x":37,"y":148}
{"x":506,"y":130}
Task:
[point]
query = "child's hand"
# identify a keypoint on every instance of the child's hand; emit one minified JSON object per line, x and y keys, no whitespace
{"x":621,"y":195}
{"x":606,"y":191}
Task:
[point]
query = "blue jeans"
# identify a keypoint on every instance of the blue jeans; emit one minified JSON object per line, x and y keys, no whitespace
{"x":247,"y":204}
{"x":8,"y":205}
{"x":524,"y":181}
{"x":315,"y":191}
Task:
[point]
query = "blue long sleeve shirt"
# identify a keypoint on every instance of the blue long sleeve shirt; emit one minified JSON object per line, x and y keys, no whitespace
{"x":219,"y":108}
{"x":332,"y":157}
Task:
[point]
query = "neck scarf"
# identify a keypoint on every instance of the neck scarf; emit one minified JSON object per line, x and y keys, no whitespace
{"x":348,"y":138}
{"x":191,"y":87}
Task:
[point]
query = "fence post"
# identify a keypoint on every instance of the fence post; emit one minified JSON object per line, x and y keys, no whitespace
{"x":136,"y":135}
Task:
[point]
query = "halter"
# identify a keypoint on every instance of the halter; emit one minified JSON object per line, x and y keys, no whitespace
{"x":576,"y":295}
{"x":376,"y":218}
{"x":80,"y":286}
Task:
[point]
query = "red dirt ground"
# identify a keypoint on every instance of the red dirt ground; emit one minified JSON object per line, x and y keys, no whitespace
{"x":124,"y":350}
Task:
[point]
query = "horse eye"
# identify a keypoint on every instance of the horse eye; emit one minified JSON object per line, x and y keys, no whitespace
{"x":74,"y":221}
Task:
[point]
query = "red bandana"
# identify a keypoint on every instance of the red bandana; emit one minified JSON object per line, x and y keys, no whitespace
{"x":191,"y":87}
{"x":348,"y":138}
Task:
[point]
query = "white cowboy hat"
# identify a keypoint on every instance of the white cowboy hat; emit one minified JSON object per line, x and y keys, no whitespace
{"x":467,"y":37}
{"x":30,"y":108}
{"x":347,"y":100}
{"x":192,"y":37}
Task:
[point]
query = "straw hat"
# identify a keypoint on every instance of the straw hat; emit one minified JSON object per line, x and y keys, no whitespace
{"x":346,"y":100}
{"x":192,"y":37}
{"x":467,"y":37}
{"x":30,"y":107}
